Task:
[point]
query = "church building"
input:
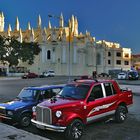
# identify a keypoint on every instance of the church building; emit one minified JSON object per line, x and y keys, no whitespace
{"x":66,"y":51}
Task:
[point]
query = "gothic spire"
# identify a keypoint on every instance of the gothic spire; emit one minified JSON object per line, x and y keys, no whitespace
{"x":61,"y":22}
{"x":17,"y":24}
{"x":29,"y":26}
{"x":72,"y":23}
{"x":49,"y":25}
{"x":32,"y":35}
{"x":76,"y":26}
{"x":9,"y":28}
{"x":39,"y":21}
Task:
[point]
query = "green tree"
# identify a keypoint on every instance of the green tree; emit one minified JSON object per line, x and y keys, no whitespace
{"x":12,"y":51}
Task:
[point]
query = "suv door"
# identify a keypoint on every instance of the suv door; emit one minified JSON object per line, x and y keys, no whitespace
{"x":110,"y":98}
{"x":95,"y":107}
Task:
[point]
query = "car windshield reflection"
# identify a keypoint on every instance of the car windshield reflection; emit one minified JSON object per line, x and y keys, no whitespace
{"x":28,"y":94}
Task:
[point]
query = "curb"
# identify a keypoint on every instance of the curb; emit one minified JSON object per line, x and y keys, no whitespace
{"x":8,"y":132}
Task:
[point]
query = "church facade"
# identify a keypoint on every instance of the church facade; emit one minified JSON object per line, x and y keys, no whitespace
{"x":68,"y":52}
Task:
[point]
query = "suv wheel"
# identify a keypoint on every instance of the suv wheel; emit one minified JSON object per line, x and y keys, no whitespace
{"x":25,"y":120}
{"x":75,"y":130}
{"x":121,"y":114}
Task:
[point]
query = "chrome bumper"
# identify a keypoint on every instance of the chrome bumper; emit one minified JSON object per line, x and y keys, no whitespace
{"x":47,"y":126}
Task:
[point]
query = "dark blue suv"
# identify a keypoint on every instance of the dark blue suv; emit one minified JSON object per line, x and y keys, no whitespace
{"x":133,"y":75}
{"x":20,"y":109}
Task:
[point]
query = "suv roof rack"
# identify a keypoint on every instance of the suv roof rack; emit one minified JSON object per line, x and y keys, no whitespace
{"x":86,"y":79}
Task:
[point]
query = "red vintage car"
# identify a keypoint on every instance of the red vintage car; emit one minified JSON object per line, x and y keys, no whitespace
{"x":29,"y":75}
{"x":80,"y":103}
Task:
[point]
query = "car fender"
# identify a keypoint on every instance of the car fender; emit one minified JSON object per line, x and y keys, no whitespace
{"x":71,"y":116}
{"x":25,"y":111}
{"x":121,"y":102}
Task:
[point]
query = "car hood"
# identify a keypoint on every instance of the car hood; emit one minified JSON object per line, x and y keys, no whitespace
{"x":59,"y":103}
{"x":14,"y":104}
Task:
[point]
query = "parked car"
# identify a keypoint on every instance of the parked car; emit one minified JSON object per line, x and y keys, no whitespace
{"x":133,"y":75}
{"x":29,"y":75}
{"x":49,"y":73}
{"x":122,"y":75}
{"x":103,"y":75}
{"x":20,"y":109}
{"x":82,"y":102}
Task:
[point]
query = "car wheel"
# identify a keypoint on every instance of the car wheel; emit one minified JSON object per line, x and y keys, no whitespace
{"x":75,"y":130}
{"x":121,"y":114}
{"x":25,"y":120}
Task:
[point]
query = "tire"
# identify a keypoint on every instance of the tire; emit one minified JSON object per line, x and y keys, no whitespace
{"x":25,"y":120}
{"x":121,"y":114}
{"x":75,"y":130}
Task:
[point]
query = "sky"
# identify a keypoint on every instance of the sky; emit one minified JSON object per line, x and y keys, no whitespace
{"x":110,"y":20}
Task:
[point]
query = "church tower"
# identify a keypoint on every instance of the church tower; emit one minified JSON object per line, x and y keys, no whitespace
{"x":1,"y":22}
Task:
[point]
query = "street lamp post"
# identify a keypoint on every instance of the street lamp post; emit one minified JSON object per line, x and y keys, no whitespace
{"x":69,"y":67}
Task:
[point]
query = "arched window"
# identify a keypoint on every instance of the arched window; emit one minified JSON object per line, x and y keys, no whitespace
{"x":109,"y":53}
{"x":48,"y":55}
{"x":98,"y":59}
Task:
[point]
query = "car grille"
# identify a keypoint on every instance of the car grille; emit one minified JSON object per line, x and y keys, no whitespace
{"x":2,"y":111}
{"x":44,"y":114}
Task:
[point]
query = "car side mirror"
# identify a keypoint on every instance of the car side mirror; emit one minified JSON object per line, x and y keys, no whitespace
{"x":90,"y":98}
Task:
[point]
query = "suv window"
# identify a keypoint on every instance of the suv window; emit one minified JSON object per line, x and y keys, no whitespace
{"x":97,"y":92}
{"x":47,"y":94}
{"x":55,"y":91}
{"x":109,"y":89}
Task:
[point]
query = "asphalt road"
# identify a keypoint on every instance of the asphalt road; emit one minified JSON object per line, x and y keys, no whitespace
{"x":102,"y":130}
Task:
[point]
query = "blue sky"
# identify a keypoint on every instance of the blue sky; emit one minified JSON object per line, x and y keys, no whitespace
{"x":111,"y":20}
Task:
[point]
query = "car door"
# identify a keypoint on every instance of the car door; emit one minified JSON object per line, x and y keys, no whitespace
{"x":111,"y":97}
{"x":95,"y":107}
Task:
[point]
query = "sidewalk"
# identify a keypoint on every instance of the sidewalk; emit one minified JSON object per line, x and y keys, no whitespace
{"x":10,"y":78}
{"x":8,"y":132}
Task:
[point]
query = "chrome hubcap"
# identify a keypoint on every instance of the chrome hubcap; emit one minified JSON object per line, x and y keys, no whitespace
{"x":77,"y":131}
{"x":25,"y":121}
{"x":122,"y":116}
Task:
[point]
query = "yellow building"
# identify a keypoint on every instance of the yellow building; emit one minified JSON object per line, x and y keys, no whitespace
{"x":77,"y":54}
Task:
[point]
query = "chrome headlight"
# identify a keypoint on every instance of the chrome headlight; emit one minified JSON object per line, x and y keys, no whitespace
{"x":10,"y":113}
{"x":34,"y":108}
{"x":58,"y":114}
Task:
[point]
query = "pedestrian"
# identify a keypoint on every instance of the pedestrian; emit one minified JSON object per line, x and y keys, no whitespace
{"x":94,"y":74}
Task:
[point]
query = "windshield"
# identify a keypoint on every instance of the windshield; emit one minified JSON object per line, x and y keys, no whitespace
{"x":133,"y":73}
{"x":74,"y":91}
{"x":28,"y":94}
